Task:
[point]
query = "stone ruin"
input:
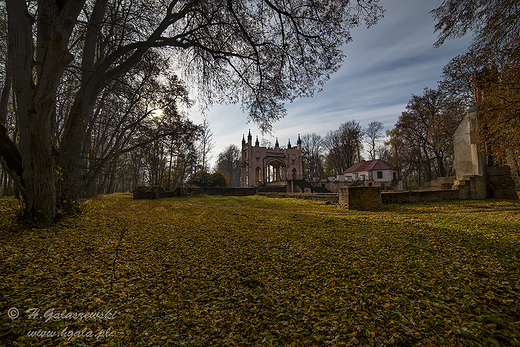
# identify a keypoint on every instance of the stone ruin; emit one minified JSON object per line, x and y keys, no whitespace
{"x":475,"y":168}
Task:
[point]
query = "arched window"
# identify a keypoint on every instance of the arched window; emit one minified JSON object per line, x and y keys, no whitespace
{"x":257,"y":174}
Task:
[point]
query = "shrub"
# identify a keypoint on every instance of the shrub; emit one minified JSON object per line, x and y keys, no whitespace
{"x":204,"y":179}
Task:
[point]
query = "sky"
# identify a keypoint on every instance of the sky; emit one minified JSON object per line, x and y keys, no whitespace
{"x":384,"y":66}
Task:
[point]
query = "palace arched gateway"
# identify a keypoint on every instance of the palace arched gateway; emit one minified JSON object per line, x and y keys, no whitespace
{"x":263,"y":165}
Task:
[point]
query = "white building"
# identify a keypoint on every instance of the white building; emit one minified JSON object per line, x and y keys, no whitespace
{"x":372,"y":172}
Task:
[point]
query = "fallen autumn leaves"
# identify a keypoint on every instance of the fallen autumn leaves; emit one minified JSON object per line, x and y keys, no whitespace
{"x":258,"y":271}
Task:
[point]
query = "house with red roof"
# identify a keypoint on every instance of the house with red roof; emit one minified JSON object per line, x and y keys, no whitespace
{"x":371,"y":173}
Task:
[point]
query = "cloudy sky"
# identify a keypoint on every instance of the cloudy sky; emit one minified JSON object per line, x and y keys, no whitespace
{"x":384,"y":66}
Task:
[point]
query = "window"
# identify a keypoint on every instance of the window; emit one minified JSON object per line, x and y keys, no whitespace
{"x":395,"y":176}
{"x":380,"y":174}
{"x":257,"y":174}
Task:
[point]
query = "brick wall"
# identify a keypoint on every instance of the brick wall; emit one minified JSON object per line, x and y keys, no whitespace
{"x":500,"y":184}
{"x":419,"y":196}
{"x":360,"y":198}
{"x":330,"y":197}
{"x":230,"y":191}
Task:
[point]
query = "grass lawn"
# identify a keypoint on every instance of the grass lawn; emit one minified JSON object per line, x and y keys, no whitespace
{"x":254,"y":271}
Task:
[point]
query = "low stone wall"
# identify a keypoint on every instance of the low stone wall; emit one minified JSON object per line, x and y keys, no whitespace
{"x":419,"y":196}
{"x":157,"y":192}
{"x":327,"y":197}
{"x":371,"y":200}
{"x":154,"y":192}
{"x":357,"y":198}
{"x":230,"y":191}
{"x":272,"y":189}
{"x":360,"y":198}
{"x":365,"y":199}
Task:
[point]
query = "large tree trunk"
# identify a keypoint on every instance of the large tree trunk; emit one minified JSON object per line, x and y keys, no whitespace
{"x":36,"y":98}
{"x":73,"y":159}
{"x":34,"y":165}
{"x":440,"y":164}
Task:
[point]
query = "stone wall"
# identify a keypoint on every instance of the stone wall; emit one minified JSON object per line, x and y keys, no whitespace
{"x":500,"y":184}
{"x":468,"y":160}
{"x":230,"y":191}
{"x":473,"y":187}
{"x":360,"y":198}
{"x":157,"y":192}
{"x":154,"y":192}
{"x":272,"y":189}
{"x":419,"y":196}
{"x":327,"y":197}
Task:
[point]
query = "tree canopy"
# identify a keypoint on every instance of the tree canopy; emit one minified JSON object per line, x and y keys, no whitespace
{"x":489,"y":73}
{"x":423,"y":134}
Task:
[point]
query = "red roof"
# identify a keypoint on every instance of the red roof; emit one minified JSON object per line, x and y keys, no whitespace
{"x":370,"y":165}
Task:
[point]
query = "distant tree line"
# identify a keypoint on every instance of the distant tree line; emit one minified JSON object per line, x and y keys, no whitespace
{"x":420,"y":144}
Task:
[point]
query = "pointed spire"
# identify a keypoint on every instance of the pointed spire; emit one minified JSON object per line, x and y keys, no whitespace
{"x":243,"y":140}
{"x":289,"y":144}
{"x":276,"y":144}
{"x":299,"y":140}
{"x":256,"y":142}
{"x":249,"y":137}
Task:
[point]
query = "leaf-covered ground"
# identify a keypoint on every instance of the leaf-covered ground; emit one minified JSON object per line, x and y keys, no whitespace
{"x":254,"y":271}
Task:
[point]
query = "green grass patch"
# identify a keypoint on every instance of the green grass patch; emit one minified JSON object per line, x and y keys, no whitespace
{"x":255,"y":271}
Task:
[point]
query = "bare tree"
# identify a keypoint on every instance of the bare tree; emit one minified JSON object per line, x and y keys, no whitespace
{"x":229,"y":164}
{"x":206,"y":145}
{"x":344,"y":145}
{"x":313,"y":155}
{"x":373,"y":132}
